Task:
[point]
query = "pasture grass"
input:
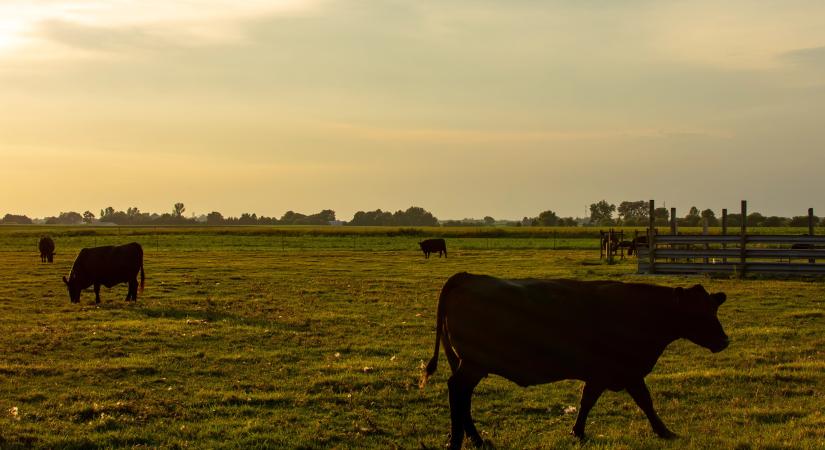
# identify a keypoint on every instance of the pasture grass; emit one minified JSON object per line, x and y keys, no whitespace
{"x":239,"y":344}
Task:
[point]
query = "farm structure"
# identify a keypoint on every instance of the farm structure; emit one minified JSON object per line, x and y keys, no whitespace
{"x":739,"y":254}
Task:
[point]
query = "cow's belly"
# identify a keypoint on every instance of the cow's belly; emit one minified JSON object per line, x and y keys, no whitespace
{"x":530,"y":348}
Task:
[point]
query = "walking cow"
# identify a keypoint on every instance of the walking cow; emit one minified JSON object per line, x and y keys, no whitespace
{"x":605,"y":333}
{"x":46,"y":247}
{"x":107,"y":266}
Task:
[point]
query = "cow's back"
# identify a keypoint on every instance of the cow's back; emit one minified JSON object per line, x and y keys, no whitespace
{"x":537,"y":331}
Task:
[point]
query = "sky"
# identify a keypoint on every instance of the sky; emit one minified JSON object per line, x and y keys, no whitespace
{"x":467,"y":108}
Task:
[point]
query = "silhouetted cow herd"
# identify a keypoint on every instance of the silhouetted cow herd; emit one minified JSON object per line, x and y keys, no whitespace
{"x":607,"y":334}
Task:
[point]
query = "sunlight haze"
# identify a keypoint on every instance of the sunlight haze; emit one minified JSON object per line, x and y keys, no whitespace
{"x":465,"y":108}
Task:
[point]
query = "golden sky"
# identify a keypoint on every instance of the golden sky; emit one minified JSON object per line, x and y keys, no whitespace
{"x":467,"y":108}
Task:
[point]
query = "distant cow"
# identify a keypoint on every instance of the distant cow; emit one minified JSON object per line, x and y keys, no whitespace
{"x":107,"y":266}
{"x":432,"y":246}
{"x":605,"y":333}
{"x":46,"y":247}
{"x":640,"y":241}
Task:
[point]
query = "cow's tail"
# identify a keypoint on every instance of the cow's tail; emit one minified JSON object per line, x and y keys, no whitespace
{"x":142,"y":278}
{"x":439,"y":328}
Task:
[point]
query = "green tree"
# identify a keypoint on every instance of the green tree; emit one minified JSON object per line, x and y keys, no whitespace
{"x":548,"y":219}
{"x":710,"y":216}
{"x":214,"y":218}
{"x":633,"y":213}
{"x":88,"y":217}
{"x":179,"y":209}
{"x":489,"y":221}
{"x":601,"y":213}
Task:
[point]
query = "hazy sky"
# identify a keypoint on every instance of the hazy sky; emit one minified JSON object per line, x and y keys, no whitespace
{"x":464,"y":107}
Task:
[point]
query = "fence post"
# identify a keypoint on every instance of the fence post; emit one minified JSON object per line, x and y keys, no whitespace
{"x":724,"y":232}
{"x":601,"y":244}
{"x":651,"y":248}
{"x":743,"y":238}
{"x":673,"y":227}
{"x":811,"y":229}
{"x":705,"y":233}
{"x":609,"y":246}
{"x":650,"y":218}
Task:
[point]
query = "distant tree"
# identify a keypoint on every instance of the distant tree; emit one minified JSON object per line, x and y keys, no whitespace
{"x":776,"y":221}
{"x":133,"y":213}
{"x":568,"y":222}
{"x":65,"y":218}
{"x":633,"y":213}
{"x":710,"y":216}
{"x":692,"y":219}
{"x":489,"y":221}
{"x":248,"y":219}
{"x":179,"y":209}
{"x":372,"y":218}
{"x":17,"y":219}
{"x":88,"y":217}
{"x":661,"y":216}
{"x":755,"y":219}
{"x":548,"y":219}
{"x":106,"y":214}
{"x":601,"y":213}
{"x":802,"y":221}
{"x":415,"y":216}
{"x":214,"y":218}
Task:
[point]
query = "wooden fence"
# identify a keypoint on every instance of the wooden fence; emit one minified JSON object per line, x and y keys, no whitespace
{"x":739,"y":253}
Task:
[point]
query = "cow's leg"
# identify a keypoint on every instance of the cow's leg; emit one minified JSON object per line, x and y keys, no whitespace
{"x":131,"y":294}
{"x":590,"y":394}
{"x":641,"y":395}
{"x":461,"y":385}
{"x":469,"y":425}
{"x":97,"y":292}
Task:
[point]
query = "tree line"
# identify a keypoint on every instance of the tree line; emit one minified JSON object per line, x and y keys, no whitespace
{"x":636,"y":213}
{"x":602,"y":213}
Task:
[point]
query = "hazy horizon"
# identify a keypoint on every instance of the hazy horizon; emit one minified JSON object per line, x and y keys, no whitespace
{"x":466,"y":109}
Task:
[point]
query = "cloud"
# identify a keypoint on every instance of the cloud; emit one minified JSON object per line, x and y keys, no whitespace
{"x":813,"y":57}
{"x":470,"y":136}
{"x":107,"y":24}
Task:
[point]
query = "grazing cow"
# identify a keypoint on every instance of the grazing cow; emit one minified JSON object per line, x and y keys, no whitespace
{"x":432,"y":246}
{"x":46,"y":247}
{"x":109,"y":265}
{"x":605,"y":333}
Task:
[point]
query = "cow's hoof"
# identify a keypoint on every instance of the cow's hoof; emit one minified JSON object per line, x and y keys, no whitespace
{"x":578,"y":434}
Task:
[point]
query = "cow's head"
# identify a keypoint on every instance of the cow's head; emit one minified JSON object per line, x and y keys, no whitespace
{"x":73,"y":285}
{"x":696,"y":317}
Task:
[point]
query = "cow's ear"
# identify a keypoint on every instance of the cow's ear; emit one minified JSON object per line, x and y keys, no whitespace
{"x":65,"y":280}
{"x":720,"y":297}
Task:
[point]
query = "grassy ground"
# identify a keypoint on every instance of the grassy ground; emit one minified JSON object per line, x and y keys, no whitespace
{"x":239,"y":343}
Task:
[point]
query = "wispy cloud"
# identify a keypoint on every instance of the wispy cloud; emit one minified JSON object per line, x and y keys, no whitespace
{"x":90,"y":24}
{"x":467,"y":136}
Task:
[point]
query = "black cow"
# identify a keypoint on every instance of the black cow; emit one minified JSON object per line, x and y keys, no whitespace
{"x":109,"y":265}
{"x":46,"y":247}
{"x":605,"y":333}
{"x":432,"y":246}
{"x":640,"y":241}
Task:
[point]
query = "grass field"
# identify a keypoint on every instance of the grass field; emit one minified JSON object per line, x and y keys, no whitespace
{"x":243,"y":341}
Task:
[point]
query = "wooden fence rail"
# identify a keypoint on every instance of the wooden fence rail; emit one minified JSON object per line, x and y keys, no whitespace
{"x":740,"y":253}
{"x":761,"y":253}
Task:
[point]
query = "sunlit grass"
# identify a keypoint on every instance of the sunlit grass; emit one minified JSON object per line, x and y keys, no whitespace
{"x":320,"y":346}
